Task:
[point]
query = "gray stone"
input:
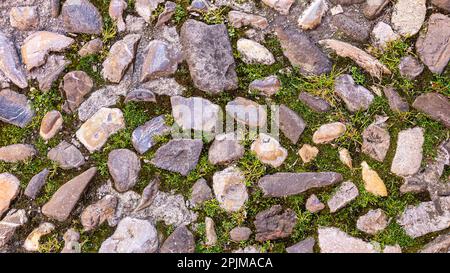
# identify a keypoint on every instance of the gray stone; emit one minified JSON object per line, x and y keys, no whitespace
{"x":313,"y":204}
{"x":410,"y":67}
{"x":230,"y":189}
{"x":376,"y":139}
{"x":273,"y":223}
{"x":304,"y":246}
{"x":17,"y":152}
{"x":48,"y":73}
{"x":435,"y":105}
{"x":268,"y":86}
{"x":373,"y":8}
{"x":159,"y":62}
{"x":140,"y":95}
{"x":91,"y":47}
{"x":334,"y":240}
{"x":408,"y":16}
{"x":356,"y":97}
{"x":143,"y":136}
{"x":15,"y":108}
{"x":239,"y":234}
{"x":124,"y":167}
{"x":408,"y":156}
{"x":148,"y":195}
{"x":247,"y":112}
{"x":346,"y":193}
{"x":315,"y":103}
{"x":439,"y":245}
{"x":104,"y":97}
{"x":346,"y":2}
{"x":80,"y":16}
{"x":76,"y":85}
{"x":166,"y":15}
{"x":210,"y":232}
{"x":36,"y":183}
{"x":115,"y":11}
{"x":373,"y":221}
{"x":55,"y":7}
{"x":10,"y":223}
{"x":96,"y":214}
{"x":286,"y":184}
{"x":164,"y":86}
{"x":225,"y":149}
{"x":356,"y":30}
{"x":291,"y":124}
{"x":396,"y":102}
{"x":67,"y":156}
{"x":201,"y":192}
{"x":180,"y":241}
{"x":382,"y":35}
{"x":10,"y":63}
{"x":145,"y":8}
{"x":196,"y":113}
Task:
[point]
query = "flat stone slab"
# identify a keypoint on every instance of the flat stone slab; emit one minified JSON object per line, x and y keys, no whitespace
{"x":408,"y":156}
{"x":435,"y":105}
{"x":15,"y":109}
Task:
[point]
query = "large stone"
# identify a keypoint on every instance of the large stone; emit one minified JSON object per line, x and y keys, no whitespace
{"x":51,"y":124}
{"x":38,"y":45}
{"x":80,"y":16}
{"x":268,"y":86}
{"x":372,"y":181}
{"x":376,"y":140}
{"x":334,"y":240}
{"x":67,"y":156}
{"x":315,"y":103}
{"x":180,"y":241}
{"x":143,"y":136}
{"x":160,"y":61}
{"x":356,"y":97}
{"x":436,"y":105}
{"x":363,"y":59}
{"x":196,"y":113}
{"x":410,"y":67}
{"x":209,"y":54}
{"x":201,"y":192}
{"x":303,"y":52}
{"x":120,"y":57}
{"x":225,"y":149}
{"x":291,"y":124}
{"x":329,"y":132}
{"x":95,"y":131}
{"x":346,"y":193}
{"x":286,"y":184}
{"x":15,"y":108}
{"x":17,"y":152}
{"x":439,"y":245}
{"x":396,"y":102}
{"x":273,"y":223}
{"x":76,"y":85}
{"x":96,"y":214}
{"x":66,"y":197}
{"x":268,"y":150}
{"x":10,"y":223}
{"x":132,"y":236}
{"x":356,"y":30}
{"x":373,"y":8}
{"x":9,"y":189}
{"x":240,"y":19}
{"x":373,"y":221}
{"x":247,"y":112}
{"x":408,"y":16}
{"x":178,"y":155}
{"x":230,"y":189}
{"x":304,"y":246}
{"x":282,"y":6}
{"x":24,"y":18}
{"x":408,"y":156}
{"x":124,"y":166}
{"x":312,"y":15}
{"x":252,"y":52}
{"x":10,"y":63}
{"x":36,"y":183}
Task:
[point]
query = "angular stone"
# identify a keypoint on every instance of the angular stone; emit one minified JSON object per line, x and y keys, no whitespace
{"x":48,"y":73}
{"x":36,"y":183}
{"x":345,"y":157}
{"x":443,"y":4}
{"x":66,"y":197}
{"x":334,"y":240}
{"x":210,"y":232}
{"x":76,"y":85}
{"x":71,"y":241}
{"x":159,"y":62}
{"x":356,"y":30}
{"x":196,"y":113}
{"x":115,"y":11}
{"x":247,"y":112}
{"x":178,"y":155}
{"x":96,"y":214}
{"x":356,"y":97}
{"x":120,"y":57}
{"x":230,"y":189}
{"x":10,"y":63}
{"x":329,"y":132}
{"x":312,"y":15}
{"x":274,"y":224}
{"x":372,"y":181}
{"x":376,"y":140}
{"x":252,"y":52}
{"x":373,"y":221}
{"x":124,"y":167}
{"x":209,"y":55}
{"x":104,"y":97}
{"x":15,"y":108}
{"x":435,"y":105}
{"x":268,"y":150}
{"x":180,"y":241}
{"x":143,"y":136}
{"x":51,"y":124}
{"x":382,"y":35}
{"x":165,"y":86}
{"x":313,"y":204}
{"x":38,"y":45}
{"x":315,"y":103}
{"x":286,"y":184}
{"x":148,"y":195}
{"x":32,"y":241}
{"x":396,"y":102}
{"x":166,"y":15}
{"x":80,"y":16}
{"x":308,"y":153}
{"x":268,"y":86}
{"x":373,"y":8}
{"x":240,"y":19}
{"x":346,"y":193}
{"x":439,"y":245}
{"x":410,"y":67}
{"x":24,"y":18}
{"x":10,"y":223}
{"x":91,"y":47}
{"x":291,"y":124}
{"x":408,"y":16}
{"x":17,"y":152}
{"x":201,"y":192}
{"x":140,"y":95}
{"x":225,"y":149}
{"x":67,"y":156}
{"x":304,"y":246}
{"x":363,"y":59}
{"x":282,"y":6}
{"x":303,"y":52}
{"x":96,"y":130}
{"x":145,"y":8}
{"x":132,"y":236}
{"x":9,"y":189}
{"x":408,"y":156}
{"x":239,"y":234}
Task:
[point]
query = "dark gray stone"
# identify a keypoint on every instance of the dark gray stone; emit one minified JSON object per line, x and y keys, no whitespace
{"x":140,"y":95}
{"x":442,"y":4}
{"x":36,"y":183}
{"x":356,"y":30}
{"x":180,"y":241}
{"x":396,"y":102}
{"x":67,"y":156}
{"x":291,"y":124}
{"x":315,"y":103}
{"x":15,"y":109}
{"x":201,"y":192}
{"x":305,"y":246}
{"x":439,"y":245}
{"x":124,"y":167}
{"x":376,"y":140}
{"x":373,"y":8}
{"x":274,"y":224}
{"x":10,"y":63}
{"x":148,"y":195}
{"x":356,"y":97}
{"x":80,"y":16}
{"x":142,"y":137}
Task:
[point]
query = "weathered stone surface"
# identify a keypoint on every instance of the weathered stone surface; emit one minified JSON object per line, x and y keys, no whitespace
{"x":66,"y":197}
{"x":376,"y":139}
{"x":273,"y":224}
{"x":240,"y":19}
{"x":160,"y":61}
{"x":120,"y":57}
{"x":312,"y":15}
{"x":202,"y":46}
{"x":115,"y":11}
{"x":210,"y":232}
{"x":180,"y":241}
{"x":32,"y":241}
{"x":80,"y":16}
{"x":302,"y":52}
{"x":268,"y":150}
{"x":425,"y":218}
{"x":439,"y":245}
{"x":91,"y":47}
{"x":145,"y":8}
{"x":373,"y":8}
{"x":71,"y":241}
{"x":313,"y":204}
{"x":291,"y":124}
{"x":286,"y":184}
{"x":9,"y":189}
{"x":363,"y":59}
{"x":372,"y":181}
{"x":95,"y":132}
{"x":315,"y":103}
{"x":230,"y":189}
{"x":17,"y":152}
{"x":304,"y":246}
{"x":96,"y":214}
{"x":178,"y":155}
{"x":345,"y":157}
{"x":346,"y":193}
{"x":10,"y":63}
{"x":225,"y":149}
{"x":10,"y":223}
{"x":104,"y":97}
{"x":254,"y":53}
{"x":443,"y":4}
{"x":356,"y":97}
{"x":382,"y":35}
{"x":410,"y":67}
{"x":15,"y":108}
{"x":436,"y":105}
{"x":165,"y":86}
{"x":196,"y":113}
{"x":48,"y":73}
{"x":132,"y":236}
{"x":268,"y":86}
{"x":373,"y":221}
{"x":166,"y":15}
{"x":408,"y":156}
{"x":51,"y":124}
{"x":55,"y":7}
{"x":247,"y":112}
{"x":76,"y":85}
{"x":354,"y":29}
{"x":239,"y":234}
{"x":67,"y":156}
{"x":201,"y":192}
{"x":282,"y":6}
{"x":329,"y":132}
{"x":124,"y":167}
{"x":140,"y":95}
{"x":308,"y":153}
{"x":148,"y":194}
{"x":142,"y":137}
{"x":38,"y":45}
{"x":36,"y":183}
{"x":396,"y":102}
{"x":334,"y":240}
{"x":408,"y":16}
{"x":24,"y":18}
